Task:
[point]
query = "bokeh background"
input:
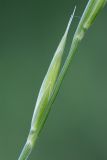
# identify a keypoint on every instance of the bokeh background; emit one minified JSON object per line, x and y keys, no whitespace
{"x":76,"y":128}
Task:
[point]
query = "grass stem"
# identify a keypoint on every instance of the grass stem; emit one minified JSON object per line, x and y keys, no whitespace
{"x":49,"y":91}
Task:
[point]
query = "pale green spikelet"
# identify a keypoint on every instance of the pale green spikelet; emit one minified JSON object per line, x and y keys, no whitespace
{"x":49,"y":80}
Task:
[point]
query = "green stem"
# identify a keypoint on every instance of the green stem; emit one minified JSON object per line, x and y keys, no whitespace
{"x":32,"y":137}
{"x":25,"y":152}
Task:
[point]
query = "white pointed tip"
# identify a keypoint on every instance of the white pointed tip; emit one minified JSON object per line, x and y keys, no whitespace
{"x":70,"y":21}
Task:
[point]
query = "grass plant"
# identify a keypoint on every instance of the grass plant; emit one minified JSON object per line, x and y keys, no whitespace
{"x":55,"y":75}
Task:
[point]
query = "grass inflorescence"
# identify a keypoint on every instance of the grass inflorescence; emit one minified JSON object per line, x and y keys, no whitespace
{"x":55,"y":75}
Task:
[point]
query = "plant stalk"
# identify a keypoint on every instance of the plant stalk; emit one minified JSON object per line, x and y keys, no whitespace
{"x":92,"y":9}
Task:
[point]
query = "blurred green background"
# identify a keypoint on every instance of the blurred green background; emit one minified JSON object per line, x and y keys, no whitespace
{"x":76,"y":128}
